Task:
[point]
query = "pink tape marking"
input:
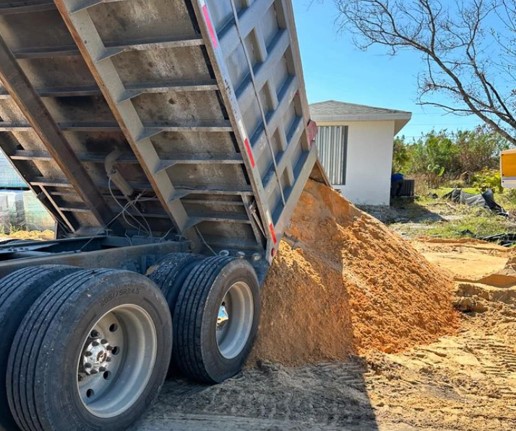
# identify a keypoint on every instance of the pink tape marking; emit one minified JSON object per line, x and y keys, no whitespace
{"x":273,"y":233}
{"x":211,"y":30}
{"x":249,"y":152}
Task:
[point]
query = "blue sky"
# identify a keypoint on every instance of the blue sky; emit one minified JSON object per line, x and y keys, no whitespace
{"x":335,"y":69}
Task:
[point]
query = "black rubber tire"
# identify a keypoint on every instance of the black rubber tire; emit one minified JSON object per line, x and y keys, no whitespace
{"x":196,"y":350}
{"x":42,"y":368}
{"x":18,"y":291}
{"x":171,"y":272}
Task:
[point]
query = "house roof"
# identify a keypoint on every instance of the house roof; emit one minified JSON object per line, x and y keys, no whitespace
{"x":332,"y":111}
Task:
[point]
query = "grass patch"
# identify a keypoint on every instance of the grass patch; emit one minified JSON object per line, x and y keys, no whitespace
{"x":470,"y":225}
{"x":441,"y":218}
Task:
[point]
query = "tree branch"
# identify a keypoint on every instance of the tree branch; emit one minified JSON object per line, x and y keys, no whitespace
{"x":458,"y":40}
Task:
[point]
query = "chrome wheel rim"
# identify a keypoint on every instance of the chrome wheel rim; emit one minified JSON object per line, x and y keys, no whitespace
{"x":116,"y":361}
{"x":235,"y":320}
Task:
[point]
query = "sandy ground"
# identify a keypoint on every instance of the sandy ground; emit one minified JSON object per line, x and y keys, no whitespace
{"x":462,"y":382}
{"x":466,"y":259}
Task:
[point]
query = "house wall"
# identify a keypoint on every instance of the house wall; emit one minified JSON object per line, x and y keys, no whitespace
{"x":369,"y":161}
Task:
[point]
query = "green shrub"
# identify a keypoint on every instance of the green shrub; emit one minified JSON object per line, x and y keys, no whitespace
{"x":442,"y":157}
{"x":488,"y":179}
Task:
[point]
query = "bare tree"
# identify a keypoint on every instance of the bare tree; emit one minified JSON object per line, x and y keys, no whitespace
{"x":468,"y":48}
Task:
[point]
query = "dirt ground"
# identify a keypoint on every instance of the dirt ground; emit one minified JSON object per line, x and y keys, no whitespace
{"x":466,"y":259}
{"x":462,"y":382}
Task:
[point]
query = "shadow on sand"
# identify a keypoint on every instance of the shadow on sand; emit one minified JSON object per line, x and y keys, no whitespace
{"x":329,"y":396}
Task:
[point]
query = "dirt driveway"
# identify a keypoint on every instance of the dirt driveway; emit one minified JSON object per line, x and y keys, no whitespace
{"x":463,"y":382}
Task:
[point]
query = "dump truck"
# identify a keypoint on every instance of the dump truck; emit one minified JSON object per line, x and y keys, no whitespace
{"x":170,"y":140}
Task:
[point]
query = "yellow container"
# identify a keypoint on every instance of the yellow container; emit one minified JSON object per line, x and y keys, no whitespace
{"x":508,"y":168}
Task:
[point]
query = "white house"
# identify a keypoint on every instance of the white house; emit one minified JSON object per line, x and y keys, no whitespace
{"x":355,"y":146}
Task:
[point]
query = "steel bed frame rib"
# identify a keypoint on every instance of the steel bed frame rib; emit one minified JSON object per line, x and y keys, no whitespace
{"x":97,"y":57}
{"x":22,"y":92}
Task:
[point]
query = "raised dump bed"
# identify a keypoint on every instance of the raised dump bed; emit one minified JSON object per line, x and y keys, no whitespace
{"x":195,"y":111}
{"x":146,"y":127}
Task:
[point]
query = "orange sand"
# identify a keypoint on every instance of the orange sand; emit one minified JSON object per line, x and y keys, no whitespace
{"x":344,"y":284}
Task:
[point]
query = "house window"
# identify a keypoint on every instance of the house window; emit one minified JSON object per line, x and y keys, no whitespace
{"x":332,"y":142}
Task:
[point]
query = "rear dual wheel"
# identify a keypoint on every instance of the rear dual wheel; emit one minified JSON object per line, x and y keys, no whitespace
{"x":94,"y":346}
{"x":215,"y":308}
{"x":170,"y":274}
{"x":216,"y":319}
{"x":18,"y":291}
{"x":92,"y":353}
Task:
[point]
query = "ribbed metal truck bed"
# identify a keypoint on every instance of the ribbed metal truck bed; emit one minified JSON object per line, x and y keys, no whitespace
{"x":194,"y":111}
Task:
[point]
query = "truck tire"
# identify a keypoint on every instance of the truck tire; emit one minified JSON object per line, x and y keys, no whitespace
{"x":217,"y":316}
{"x":18,"y":291}
{"x":171,"y":272}
{"x":91,"y":353}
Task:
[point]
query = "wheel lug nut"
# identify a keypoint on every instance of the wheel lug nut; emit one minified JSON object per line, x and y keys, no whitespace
{"x":102,"y":369}
{"x":108,"y":359}
{"x":87,"y":365}
{"x":94,"y":334}
{"x":93,"y":372}
{"x":109,"y":348}
{"x":95,"y":343}
{"x":104,"y":341}
{"x":87,"y":353}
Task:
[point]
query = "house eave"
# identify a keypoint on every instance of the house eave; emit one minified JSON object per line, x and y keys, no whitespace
{"x":400,"y":121}
{"x":362,"y":117}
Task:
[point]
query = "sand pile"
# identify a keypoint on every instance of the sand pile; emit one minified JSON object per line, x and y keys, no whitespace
{"x":344,"y":284}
